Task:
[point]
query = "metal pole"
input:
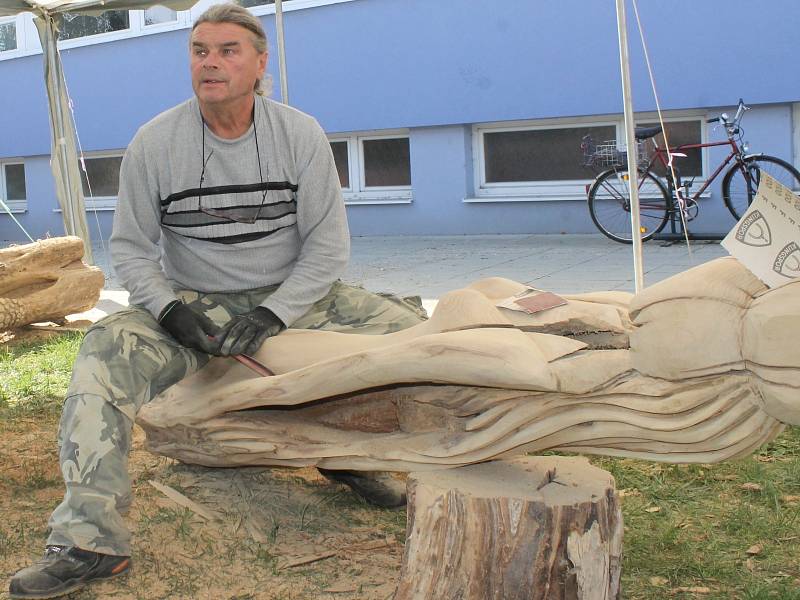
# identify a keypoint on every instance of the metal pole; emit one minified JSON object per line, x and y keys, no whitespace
{"x":630,"y":140}
{"x":281,"y":51}
{"x":60,"y":132}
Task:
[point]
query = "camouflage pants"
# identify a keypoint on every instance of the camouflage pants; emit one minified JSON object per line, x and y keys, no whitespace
{"x":126,"y":359}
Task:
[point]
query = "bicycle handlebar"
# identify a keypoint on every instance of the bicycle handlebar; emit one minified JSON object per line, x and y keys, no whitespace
{"x":739,"y":110}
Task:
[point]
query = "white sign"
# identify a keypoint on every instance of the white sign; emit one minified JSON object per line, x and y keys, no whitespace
{"x":766,"y":239}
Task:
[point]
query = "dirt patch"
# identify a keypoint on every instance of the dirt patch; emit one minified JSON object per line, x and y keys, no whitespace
{"x":275,"y":534}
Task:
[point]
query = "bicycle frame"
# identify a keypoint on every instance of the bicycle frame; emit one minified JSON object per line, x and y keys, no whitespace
{"x":662,"y":157}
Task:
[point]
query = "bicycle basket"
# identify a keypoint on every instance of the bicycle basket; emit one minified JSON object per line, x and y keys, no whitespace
{"x":610,"y":155}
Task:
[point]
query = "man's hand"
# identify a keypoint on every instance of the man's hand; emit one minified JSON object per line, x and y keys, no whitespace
{"x":245,"y":333}
{"x":191,"y":328}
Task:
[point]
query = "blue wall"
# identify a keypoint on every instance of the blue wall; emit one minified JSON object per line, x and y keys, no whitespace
{"x":436,"y":68}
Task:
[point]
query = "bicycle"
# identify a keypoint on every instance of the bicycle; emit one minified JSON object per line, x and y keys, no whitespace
{"x":609,"y":195}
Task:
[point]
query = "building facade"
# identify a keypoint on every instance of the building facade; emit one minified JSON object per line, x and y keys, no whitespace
{"x":446,"y":117}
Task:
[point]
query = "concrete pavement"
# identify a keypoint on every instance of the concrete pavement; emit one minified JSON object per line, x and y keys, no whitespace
{"x":432,"y":265}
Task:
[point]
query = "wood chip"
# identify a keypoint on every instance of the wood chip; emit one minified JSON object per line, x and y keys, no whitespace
{"x":185,"y":502}
{"x":751,"y":487}
{"x":754,"y":549}
{"x":372,"y":544}
{"x":659,"y":581}
{"x":304,"y":560}
{"x":653,"y":509}
{"x":789,"y":499}
{"x":341,"y":587}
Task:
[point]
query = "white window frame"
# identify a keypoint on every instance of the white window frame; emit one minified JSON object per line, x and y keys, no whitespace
{"x":557,"y":190}
{"x":19,"y":25}
{"x":28,"y":39}
{"x":358,"y":192}
{"x":15,"y":206}
{"x":290,"y":5}
{"x":101,"y":202}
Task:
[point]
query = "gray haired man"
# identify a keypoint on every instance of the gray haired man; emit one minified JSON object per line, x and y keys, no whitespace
{"x":230,"y":227}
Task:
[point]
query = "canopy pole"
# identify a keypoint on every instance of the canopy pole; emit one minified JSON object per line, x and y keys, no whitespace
{"x":281,"y":51}
{"x":630,"y":140}
{"x":60,"y":141}
{"x":64,"y":160}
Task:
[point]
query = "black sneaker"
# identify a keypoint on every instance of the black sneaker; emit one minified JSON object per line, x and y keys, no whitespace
{"x":380,"y":489}
{"x":63,"y":570}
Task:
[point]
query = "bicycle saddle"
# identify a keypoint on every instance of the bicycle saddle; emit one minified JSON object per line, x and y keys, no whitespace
{"x":643,"y":133}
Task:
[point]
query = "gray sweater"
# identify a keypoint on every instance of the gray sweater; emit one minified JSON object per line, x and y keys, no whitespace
{"x":162,"y":242}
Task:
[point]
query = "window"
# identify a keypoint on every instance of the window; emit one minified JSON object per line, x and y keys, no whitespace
{"x":102,"y":187}
{"x":73,"y":25}
{"x":158,"y":15}
{"x":538,"y":154}
{"x":543,"y":160}
{"x":374,"y":168}
{"x":534,"y":162}
{"x":387,"y":162}
{"x":8,"y":34}
{"x":12,"y":186}
{"x":342,"y":163}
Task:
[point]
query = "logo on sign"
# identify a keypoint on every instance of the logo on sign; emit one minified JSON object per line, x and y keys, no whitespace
{"x":754,"y":230}
{"x":787,"y":262}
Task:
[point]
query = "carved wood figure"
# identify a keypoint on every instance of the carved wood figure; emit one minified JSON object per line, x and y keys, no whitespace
{"x":45,"y":281}
{"x":701,"y":367}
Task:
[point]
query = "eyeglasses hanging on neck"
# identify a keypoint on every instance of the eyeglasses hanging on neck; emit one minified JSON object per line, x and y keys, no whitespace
{"x":238,"y":214}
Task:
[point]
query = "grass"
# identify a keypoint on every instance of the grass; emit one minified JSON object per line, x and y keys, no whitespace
{"x":34,"y":376}
{"x":688,"y":528}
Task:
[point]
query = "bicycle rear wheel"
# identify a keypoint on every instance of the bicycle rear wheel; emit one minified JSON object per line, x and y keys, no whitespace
{"x":740,"y":185}
{"x":610,"y":205}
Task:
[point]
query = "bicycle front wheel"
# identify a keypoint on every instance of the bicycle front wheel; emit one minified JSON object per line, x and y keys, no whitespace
{"x":610,"y":205}
{"x":740,"y":185}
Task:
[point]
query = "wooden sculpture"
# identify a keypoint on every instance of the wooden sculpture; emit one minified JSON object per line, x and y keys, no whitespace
{"x":45,"y":281}
{"x":701,"y":367}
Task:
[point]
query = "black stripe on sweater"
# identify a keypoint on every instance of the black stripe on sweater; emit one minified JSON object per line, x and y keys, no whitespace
{"x":242,"y":237}
{"x":229,"y":189}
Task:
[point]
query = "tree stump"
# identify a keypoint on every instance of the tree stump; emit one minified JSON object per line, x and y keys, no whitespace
{"x":523,"y":529}
{"x":46,"y":280}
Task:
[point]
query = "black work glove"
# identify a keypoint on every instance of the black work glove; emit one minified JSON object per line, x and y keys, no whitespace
{"x":190,"y":327}
{"x":245,"y":333}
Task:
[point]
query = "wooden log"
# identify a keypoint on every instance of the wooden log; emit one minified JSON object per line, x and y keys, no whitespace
{"x":46,"y":281}
{"x":531,"y":528}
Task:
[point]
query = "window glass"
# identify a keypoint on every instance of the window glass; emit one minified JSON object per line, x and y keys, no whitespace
{"x":159,"y":14}
{"x":8,"y":36}
{"x":103,"y":176}
{"x":75,"y":25}
{"x":681,"y":132}
{"x":539,"y":154}
{"x":342,"y":162}
{"x":387,"y":162}
{"x":15,"y":181}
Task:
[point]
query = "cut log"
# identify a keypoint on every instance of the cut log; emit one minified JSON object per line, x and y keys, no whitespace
{"x":46,"y":281}
{"x":543,"y":528}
